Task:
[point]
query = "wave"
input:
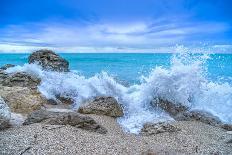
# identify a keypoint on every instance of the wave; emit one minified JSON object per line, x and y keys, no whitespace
{"x":185,"y":81}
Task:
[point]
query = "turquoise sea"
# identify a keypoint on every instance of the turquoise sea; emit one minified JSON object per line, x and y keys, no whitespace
{"x":129,"y":67}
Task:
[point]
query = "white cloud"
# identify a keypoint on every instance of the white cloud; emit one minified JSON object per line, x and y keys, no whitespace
{"x":103,"y":37}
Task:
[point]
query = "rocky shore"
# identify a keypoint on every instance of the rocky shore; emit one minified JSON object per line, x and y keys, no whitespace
{"x":32,"y":124}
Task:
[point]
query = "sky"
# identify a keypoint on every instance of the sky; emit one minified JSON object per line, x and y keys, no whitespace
{"x":115,"y":25}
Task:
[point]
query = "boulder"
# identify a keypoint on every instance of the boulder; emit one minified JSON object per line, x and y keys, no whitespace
{"x":171,"y":108}
{"x":182,"y":113}
{"x":49,"y":60}
{"x":20,"y":79}
{"x":22,"y":99}
{"x":199,"y":115}
{"x":102,"y":106}
{"x":64,"y":118}
{"x":6,"y":66}
{"x":5,"y":114}
{"x":161,"y":127}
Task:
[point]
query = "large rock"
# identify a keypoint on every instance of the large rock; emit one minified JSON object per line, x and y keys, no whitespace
{"x":102,"y":106}
{"x":22,"y":99}
{"x":4,"y":114}
{"x":64,"y":118}
{"x":156,"y":128}
{"x":182,"y":113}
{"x":198,"y":115}
{"x":20,"y":79}
{"x":171,"y":108}
{"x":49,"y":60}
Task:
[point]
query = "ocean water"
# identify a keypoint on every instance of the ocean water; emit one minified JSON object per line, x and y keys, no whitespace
{"x":199,"y":81}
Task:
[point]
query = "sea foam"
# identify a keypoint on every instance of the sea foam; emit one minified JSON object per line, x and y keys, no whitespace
{"x":185,"y":81}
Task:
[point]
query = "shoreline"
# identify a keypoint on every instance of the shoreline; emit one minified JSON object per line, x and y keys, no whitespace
{"x":39,"y":125}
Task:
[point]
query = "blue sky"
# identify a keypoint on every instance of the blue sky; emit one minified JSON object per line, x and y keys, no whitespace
{"x":115,"y":25}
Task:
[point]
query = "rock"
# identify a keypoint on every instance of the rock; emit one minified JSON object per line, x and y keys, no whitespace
{"x":7,"y":66}
{"x":3,"y":76}
{"x":182,"y":113}
{"x":61,"y":100}
{"x":4,"y":114}
{"x":161,"y":127}
{"x":20,"y":79}
{"x":102,"y":106}
{"x":172,"y":109}
{"x":49,"y":60}
{"x":22,"y":99}
{"x":198,"y":115}
{"x":64,"y":118}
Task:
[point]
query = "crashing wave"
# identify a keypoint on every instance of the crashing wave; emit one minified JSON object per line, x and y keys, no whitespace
{"x":185,"y":81}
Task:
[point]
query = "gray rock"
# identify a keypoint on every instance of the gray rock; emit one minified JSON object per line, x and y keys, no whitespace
{"x":102,"y":106}
{"x":198,"y":115}
{"x":49,"y":60}
{"x":161,"y":127}
{"x":4,"y":114}
{"x":171,"y":108}
{"x":20,"y":79}
{"x":7,"y":66}
{"x":3,"y":76}
{"x":65,"y":118}
{"x":61,"y":100}
{"x":182,"y":113}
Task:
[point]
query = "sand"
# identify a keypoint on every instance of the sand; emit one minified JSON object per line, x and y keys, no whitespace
{"x":194,"y":138}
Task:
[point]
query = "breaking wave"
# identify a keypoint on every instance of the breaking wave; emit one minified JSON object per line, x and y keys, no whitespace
{"x":185,"y":81}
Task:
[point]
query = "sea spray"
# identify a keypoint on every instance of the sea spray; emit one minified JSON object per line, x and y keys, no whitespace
{"x":185,"y":81}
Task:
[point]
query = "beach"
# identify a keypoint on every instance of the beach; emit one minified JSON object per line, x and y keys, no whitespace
{"x":46,"y":108}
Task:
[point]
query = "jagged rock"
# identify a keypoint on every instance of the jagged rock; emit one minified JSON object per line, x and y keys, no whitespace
{"x":102,"y":106}
{"x":161,"y":127}
{"x":182,"y":113}
{"x":64,"y":118}
{"x":4,"y":114}
{"x":20,"y":79}
{"x":198,"y":115}
{"x":22,"y":99}
{"x":172,"y":109}
{"x":49,"y":60}
{"x":7,"y":66}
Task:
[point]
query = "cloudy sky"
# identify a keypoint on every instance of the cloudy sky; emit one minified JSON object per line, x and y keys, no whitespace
{"x":115,"y":25}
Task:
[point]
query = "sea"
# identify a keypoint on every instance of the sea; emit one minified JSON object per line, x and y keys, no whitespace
{"x":199,"y":81}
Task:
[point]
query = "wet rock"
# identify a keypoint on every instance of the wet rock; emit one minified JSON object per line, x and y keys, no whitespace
{"x":198,"y":115}
{"x":49,"y":60}
{"x":61,"y":100}
{"x":182,"y":113}
{"x":20,"y":79}
{"x":161,"y":127}
{"x":4,"y":114}
{"x":64,"y":118}
{"x":102,"y":106}
{"x":22,"y":99}
{"x":6,"y":66}
{"x":171,"y":108}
